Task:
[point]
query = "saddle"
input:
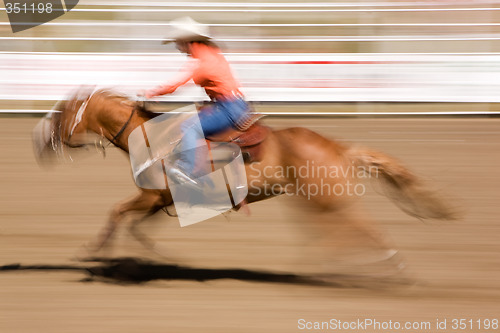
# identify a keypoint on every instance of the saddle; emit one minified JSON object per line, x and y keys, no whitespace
{"x":248,"y":137}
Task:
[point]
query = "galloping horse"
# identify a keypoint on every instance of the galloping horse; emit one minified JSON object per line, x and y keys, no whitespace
{"x":114,"y":116}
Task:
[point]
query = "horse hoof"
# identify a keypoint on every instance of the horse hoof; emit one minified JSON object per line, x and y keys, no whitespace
{"x":87,"y":253}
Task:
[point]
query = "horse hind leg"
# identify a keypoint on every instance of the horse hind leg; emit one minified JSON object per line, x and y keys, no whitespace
{"x":351,"y":243}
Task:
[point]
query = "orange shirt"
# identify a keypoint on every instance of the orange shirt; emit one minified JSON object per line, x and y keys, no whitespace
{"x":211,"y":71}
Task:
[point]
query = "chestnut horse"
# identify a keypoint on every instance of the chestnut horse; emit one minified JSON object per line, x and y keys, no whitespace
{"x":114,"y":116}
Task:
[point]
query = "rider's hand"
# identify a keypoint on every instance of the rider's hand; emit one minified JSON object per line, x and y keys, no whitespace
{"x":150,"y":93}
{"x":146,"y":93}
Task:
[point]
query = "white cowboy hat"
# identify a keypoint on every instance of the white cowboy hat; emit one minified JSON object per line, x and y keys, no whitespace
{"x":186,"y":28}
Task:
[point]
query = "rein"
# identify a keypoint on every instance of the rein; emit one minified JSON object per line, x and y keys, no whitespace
{"x":120,"y":132}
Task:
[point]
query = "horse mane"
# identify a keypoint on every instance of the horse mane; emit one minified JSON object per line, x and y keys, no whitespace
{"x":107,"y":94}
{"x":139,"y":106}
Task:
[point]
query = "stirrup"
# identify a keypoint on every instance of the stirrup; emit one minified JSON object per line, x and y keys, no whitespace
{"x":180,"y":177}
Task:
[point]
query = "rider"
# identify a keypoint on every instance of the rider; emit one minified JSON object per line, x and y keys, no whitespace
{"x":210,"y":70}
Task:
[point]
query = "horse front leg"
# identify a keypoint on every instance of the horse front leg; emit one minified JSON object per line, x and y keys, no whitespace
{"x":144,"y":240}
{"x":144,"y":204}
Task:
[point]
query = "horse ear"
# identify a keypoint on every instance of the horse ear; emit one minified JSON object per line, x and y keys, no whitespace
{"x":142,"y":106}
{"x":83,"y":92}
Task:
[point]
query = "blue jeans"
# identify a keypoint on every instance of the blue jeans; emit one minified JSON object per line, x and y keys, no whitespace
{"x":219,"y":116}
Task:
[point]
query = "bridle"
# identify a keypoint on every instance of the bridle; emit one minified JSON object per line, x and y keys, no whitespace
{"x":120,"y":132}
{"x":78,"y":118}
{"x":141,"y":104}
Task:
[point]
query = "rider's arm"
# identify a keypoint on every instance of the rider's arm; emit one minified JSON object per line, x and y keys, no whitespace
{"x":182,"y":78}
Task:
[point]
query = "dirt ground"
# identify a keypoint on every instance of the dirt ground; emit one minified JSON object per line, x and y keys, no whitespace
{"x":237,"y":275}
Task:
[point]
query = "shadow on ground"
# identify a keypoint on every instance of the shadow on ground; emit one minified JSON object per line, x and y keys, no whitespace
{"x":136,"y":271}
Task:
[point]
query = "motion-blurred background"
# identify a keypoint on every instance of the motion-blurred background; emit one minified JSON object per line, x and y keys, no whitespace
{"x":329,"y":51}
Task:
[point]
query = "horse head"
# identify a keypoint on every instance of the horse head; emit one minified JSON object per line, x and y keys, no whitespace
{"x":59,"y":131}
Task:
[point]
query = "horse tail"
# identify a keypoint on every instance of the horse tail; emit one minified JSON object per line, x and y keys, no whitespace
{"x":403,"y":187}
